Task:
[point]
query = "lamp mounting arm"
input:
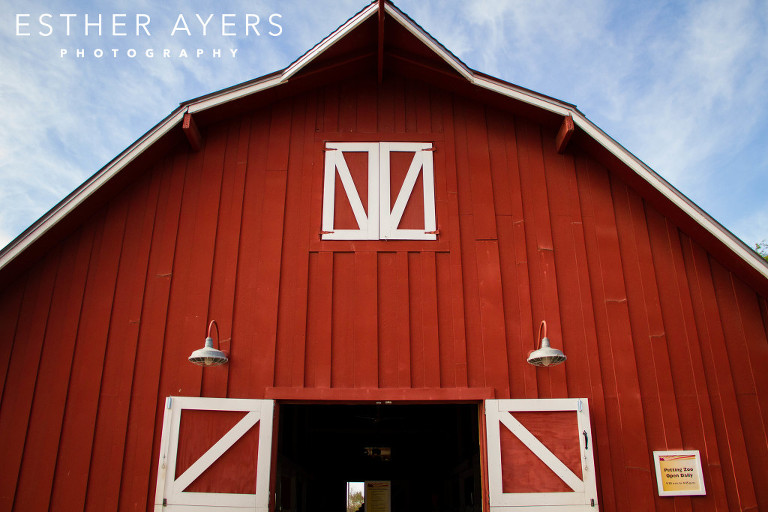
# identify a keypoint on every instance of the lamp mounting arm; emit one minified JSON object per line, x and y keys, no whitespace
{"x":542,"y":325}
{"x":211,"y":326}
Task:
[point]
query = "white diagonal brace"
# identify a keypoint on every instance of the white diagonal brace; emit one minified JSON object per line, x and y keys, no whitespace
{"x":215,"y":451}
{"x":542,"y":452}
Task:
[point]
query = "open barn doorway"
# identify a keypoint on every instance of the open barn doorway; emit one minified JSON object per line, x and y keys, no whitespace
{"x":429,"y":454}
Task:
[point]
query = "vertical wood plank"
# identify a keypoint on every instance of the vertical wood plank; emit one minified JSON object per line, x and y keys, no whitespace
{"x":146,"y":408}
{"x":22,"y":372}
{"x":268,"y":280}
{"x":685,"y":355}
{"x":78,"y":430}
{"x":399,"y":103}
{"x":190,"y":286}
{"x":541,"y":260}
{"x":650,"y":337}
{"x":292,"y":318}
{"x":565,"y":214}
{"x":394,"y":320}
{"x":279,"y":136}
{"x":576,"y":284}
{"x":626,"y":432}
{"x":445,"y":321}
{"x":492,"y":317}
{"x":10,"y":306}
{"x":118,"y":368}
{"x":721,"y":483}
{"x":736,"y":330}
{"x":756,"y":338}
{"x":225,"y":259}
{"x":331,"y":108}
{"x":347,"y":107}
{"x":429,"y":315}
{"x":411,"y":107}
{"x":319,"y":326}
{"x":343,"y":320}
{"x":365,"y":321}
{"x":481,"y":187}
{"x":449,"y":224}
{"x":245,"y":327}
{"x":522,"y":338}
{"x":385,"y":113}
{"x":423,"y":110}
{"x":731,"y":445}
{"x":472,"y":316}
{"x":367,"y":108}
{"x":42,"y":441}
{"x":518,"y":345}
{"x":416,"y":332}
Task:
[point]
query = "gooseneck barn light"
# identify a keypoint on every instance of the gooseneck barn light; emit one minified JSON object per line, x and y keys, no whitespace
{"x":209,"y":356}
{"x":545,"y":355}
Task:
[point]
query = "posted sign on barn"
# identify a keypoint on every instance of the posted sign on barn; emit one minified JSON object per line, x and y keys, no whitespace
{"x":679,"y":473}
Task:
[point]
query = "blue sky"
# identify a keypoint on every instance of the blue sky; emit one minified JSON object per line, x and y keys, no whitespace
{"x":682,"y":85}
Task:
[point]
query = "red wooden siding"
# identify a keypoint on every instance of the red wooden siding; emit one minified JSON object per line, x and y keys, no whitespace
{"x":668,"y":345}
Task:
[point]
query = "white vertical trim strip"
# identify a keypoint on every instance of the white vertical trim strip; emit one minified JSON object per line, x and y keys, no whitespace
{"x":162,"y":465}
{"x":385,"y":219}
{"x":264,"y":462}
{"x":588,"y":473}
{"x":493,"y":442}
{"x":428,"y":180}
{"x":329,"y":191}
{"x":373,"y":191}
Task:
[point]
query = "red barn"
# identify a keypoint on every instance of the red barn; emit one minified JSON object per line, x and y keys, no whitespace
{"x":381,"y":236}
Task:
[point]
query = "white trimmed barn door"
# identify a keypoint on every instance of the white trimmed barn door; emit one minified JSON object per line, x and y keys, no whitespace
{"x":379,"y":191}
{"x":540,"y":456}
{"x":215,"y":455}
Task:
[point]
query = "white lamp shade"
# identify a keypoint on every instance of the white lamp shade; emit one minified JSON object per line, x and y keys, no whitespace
{"x":208,"y":356}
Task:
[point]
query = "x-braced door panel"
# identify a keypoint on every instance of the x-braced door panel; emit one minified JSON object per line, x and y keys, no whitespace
{"x":215,"y":452}
{"x":379,"y":191}
{"x":540,"y":455}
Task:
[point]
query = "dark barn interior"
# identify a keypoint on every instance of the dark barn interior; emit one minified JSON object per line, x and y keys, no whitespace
{"x":430,"y":453}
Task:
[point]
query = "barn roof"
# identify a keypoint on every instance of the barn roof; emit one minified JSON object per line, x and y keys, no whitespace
{"x":383,"y":36}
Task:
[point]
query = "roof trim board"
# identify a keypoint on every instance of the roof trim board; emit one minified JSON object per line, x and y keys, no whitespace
{"x":45,"y":223}
{"x":429,"y":41}
{"x":329,"y":41}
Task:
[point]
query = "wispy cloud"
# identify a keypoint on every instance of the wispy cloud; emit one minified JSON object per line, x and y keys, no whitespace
{"x":680,"y":84}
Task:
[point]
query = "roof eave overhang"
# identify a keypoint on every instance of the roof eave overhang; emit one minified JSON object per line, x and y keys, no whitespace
{"x":82,"y":193}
